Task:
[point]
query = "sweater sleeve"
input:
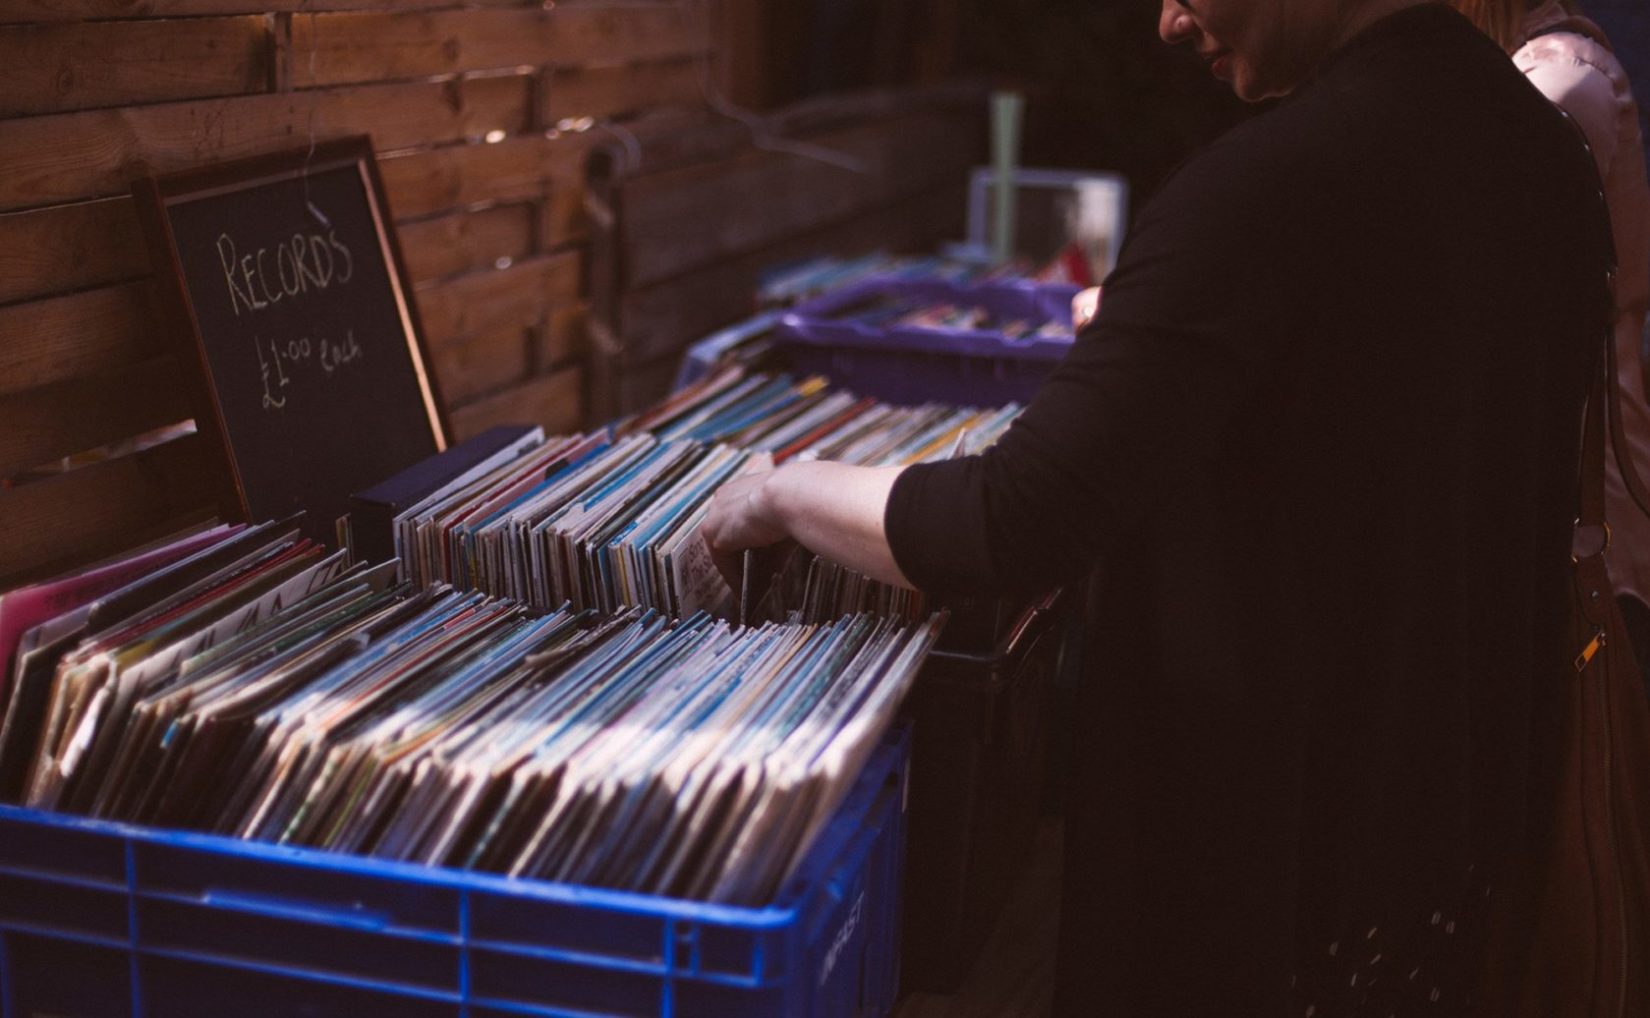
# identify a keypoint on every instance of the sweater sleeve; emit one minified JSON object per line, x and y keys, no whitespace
{"x":1570,"y":71}
{"x":1189,"y":320}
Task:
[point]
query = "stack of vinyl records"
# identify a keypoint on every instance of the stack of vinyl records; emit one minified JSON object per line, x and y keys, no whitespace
{"x":600,"y":524}
{"x":545,"y":684}
{"x":611,"y":520}
{"x":256,"y":685}
{"x":808,"y":419}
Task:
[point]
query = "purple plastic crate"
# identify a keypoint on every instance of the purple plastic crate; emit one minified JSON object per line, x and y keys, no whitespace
{"x":910,"y":364}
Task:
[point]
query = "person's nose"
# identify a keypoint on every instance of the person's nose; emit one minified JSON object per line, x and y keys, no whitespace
{"x":1174,"y":24}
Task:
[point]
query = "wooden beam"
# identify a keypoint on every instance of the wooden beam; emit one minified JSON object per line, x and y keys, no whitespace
{"x":15,"y":11}
{"x":562,"y":338}
{"x":601,"y":34}
{"x":336,"y":49}
{"x":69,"y":247}
{"x":516,"y":169}
{"x":473,"y":367}
{"x":72,"y":156}
{"x":61,"y":248}
{"x":54,"y":68}
{"x":104,"y":508}
{"x":50,"y":341}
{"x":604,"y":92}
{"x":619,"y":389}
{"x":743,"y":47}
{"x":519,"y":296}
{"x":554,"y":401}
{"x":467,"y":241}
{"x":563,"y":219}
{"x":679,"y":220}
{"x":43,"y":425}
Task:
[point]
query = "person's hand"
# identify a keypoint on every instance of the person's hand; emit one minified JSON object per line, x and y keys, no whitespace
{"x":741,"y":516}
{"x":1084,"y":307}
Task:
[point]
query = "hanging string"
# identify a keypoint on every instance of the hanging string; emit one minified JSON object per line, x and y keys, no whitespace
{"x":314,"y":119}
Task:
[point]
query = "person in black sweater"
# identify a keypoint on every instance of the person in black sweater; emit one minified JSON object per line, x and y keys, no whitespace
{"x":1317,"y":456}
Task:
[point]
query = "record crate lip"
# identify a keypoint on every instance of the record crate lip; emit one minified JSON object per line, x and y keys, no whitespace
{"x":1014,"y":632}
{"x":850,"y":848}
{"x":773,"y":915}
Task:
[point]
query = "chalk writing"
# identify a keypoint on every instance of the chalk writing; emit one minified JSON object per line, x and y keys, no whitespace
{"x":304,"y":263}
{"x":277,"y":360}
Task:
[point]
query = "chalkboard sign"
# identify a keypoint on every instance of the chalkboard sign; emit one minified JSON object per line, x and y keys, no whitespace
{"x":290,"y":297}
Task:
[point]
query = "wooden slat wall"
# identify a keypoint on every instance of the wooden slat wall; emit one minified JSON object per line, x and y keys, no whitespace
{"x":463,"y":99}
{"x":14,"y":11}
{"x":680,"y":220}
{"x":687,"y":220}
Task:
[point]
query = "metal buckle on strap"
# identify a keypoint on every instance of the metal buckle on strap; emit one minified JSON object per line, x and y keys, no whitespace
{"x":1575,"y":539}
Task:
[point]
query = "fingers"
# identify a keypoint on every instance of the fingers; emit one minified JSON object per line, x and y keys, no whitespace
{"x":1084,"y":307}
{"x":737,"y":520}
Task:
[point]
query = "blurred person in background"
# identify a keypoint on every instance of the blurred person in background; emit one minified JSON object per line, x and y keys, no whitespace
{"x":1568,"y":58}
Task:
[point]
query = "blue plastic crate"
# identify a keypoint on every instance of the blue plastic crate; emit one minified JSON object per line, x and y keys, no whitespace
{"x":907,"y":364}
{"x":102,"y":919}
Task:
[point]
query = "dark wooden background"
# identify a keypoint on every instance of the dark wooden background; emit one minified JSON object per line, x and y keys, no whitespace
{"x":484,"y":114}
{"x":463,"y":105}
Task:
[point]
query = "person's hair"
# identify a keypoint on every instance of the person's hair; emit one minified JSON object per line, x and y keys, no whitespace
{"x":1501,"y":20}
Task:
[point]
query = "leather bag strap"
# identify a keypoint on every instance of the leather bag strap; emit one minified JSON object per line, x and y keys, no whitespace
{"x":1604,"y":398}
{"x":1630,"y":476}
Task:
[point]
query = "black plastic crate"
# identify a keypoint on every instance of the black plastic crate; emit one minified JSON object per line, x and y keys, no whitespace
{"x":982,"y":712}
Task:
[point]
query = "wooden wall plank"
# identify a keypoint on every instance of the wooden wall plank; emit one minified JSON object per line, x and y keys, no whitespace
{"x":677,"y":220}
{"x":481,"y":364}
{"x":516,"y":169}
{"x":50,"y":341}
{"x":76,"y":10}
{"x":519,"y":296}
{"x":103,"y":508}
{"x":602,"y":92}
{"x":744,"y":36}
{"x":554,"y":401}
{"x":336,"y":49}
{"x":618,"y":388}
{"x":563,"y":216}
{"x":69,"y":247}
{"x":672,"y":139}
{"x":619,"y":33}
{"x":72,"y":247}
{"x":562,"y":339}
{"x":70,"y":156}
{"x":420,"y":183}
{"x":466,"y":241}
{"x":46,"y":424}
{"x":53,"y":68}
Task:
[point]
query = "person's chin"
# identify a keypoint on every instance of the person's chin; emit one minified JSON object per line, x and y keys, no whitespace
{"x":1253,"y":90}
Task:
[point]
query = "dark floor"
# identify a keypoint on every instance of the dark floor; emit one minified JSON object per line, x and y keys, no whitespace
{"x":1014,"y":977}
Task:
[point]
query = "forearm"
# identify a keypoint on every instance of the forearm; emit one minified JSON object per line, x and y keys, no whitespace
{"x":832,"y":509}
{"x":836,"y":511}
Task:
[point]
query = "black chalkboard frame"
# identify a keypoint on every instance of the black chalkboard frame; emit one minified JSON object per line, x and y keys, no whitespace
{"x":155,"y":193}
